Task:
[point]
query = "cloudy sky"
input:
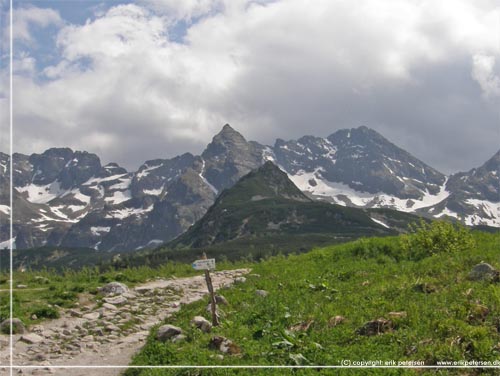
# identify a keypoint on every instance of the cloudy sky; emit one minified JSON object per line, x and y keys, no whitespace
{"x":138,"y":80}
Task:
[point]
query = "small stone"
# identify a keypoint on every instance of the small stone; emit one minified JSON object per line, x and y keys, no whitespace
{"x":219,"y":299}
{"x":484,"y":272}
{"x":31,"y":338}
{"x":201,"y":323}
{"x":116,"y":301}
{"x":74,"y":313}
{"x":334,"y":321}
{"x":91,"y":316}
{"x":112,"y":327}
{"x":401,"y":314}
{"x":34,"y":317}
{"x":109,"y":306}
{"x":166,"y":332}
{"x":240,"y":280}
{"x":113,"y":288}
{"x":375,"y":327}
{"x":21,"y":286}
{"x":262,"y":293}
{"x":224,"y":345}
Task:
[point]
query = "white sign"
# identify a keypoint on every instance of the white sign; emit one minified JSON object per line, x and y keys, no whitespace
{"x":204,"y":264}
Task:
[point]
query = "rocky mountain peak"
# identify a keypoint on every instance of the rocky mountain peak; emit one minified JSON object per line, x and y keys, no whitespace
{"x":228,"y":157}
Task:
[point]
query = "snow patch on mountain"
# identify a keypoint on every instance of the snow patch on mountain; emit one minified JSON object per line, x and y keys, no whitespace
{"x":153,"y":192}
{"x":209,"y":185}
{"x":97,"y":230}
{"x":119,"y":197}
{"x":379,"y":222}
{"x":145,"y":172}
{"x":446,"y":212}
{"x":6,"y":244}
{"x":122,"y":185}
{"x":101,"y":180}
{"x":342,"y":194}
{"x":41,"y":194}
{"x":5,"y":209}
{"x":127,"y":212}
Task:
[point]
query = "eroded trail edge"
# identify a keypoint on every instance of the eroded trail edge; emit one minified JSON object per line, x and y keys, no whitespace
{"x":109,"y":332}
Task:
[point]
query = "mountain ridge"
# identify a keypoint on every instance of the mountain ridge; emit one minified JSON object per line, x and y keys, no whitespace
{"x":68,"y":198}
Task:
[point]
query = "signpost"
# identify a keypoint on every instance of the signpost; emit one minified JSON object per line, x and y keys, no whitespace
{"x":207,"y":265}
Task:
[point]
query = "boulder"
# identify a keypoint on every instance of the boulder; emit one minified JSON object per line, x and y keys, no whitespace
{"x":375,"y":327}
{"x":201,"y":323}
{"x":224,"y":345}
{"x":166,"y":332}
{"x":484,"y":272}
{"x":17,"y":326}
{"x":113,"y":288}
{"x":262,"y":293}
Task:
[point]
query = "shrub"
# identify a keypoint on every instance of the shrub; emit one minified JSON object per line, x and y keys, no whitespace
{"x":427,"y":239}
{"x":46,"y":312}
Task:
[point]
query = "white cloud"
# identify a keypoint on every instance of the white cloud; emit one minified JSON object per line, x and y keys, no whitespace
{"x":483,"y":72}
{"x":283,"y":68}
{"x":24,"y":18}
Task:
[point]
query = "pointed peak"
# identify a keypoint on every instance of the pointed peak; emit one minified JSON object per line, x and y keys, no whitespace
{"x":229,"y":132}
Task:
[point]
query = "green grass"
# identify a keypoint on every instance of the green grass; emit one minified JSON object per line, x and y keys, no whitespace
{"x":361,"y":281}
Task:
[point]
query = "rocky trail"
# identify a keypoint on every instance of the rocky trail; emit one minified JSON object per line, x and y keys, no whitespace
{"x":106,"y":332}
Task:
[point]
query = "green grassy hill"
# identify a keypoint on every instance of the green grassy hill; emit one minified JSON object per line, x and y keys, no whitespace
{"x":266,"y":203}
{"x":318,"y":304}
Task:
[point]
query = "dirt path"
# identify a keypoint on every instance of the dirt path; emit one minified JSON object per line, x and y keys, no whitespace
{"x":108,"y":335}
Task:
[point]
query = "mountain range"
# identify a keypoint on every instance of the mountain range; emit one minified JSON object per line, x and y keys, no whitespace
{"x":68,"y":198}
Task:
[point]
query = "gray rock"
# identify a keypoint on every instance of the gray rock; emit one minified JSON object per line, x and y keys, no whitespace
{"x":113,"y":288}
{"x":117,"y":300}
{"x":21,"y":286}
{"x":166,"y":332}
{"x":224,"y":345}
{"x":91,"y":316}
{"x":240,"y":280}
{"x":109,"y":306}
{"x":31,"y":338}
{"x":17,"y":326}
{"x":375,"y":327}
{"x":262,"y":293}
{"x":74,"y":313}
{"x":484,"y":272}
{"x":219,"y":299}
{"x":201,"y":323}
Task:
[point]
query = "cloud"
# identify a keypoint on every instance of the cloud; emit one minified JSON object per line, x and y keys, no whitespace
{"x":483,"y":72}
{"x":126,"y":88}
{"x":26,"y":17}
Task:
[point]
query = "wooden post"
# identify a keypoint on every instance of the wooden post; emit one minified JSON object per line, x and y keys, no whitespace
{"x":213,"y":304}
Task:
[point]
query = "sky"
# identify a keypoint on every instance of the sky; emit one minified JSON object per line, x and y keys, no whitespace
{"x":138,"y":80}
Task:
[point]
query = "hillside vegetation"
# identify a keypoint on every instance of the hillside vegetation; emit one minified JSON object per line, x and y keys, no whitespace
{"x":316,"y":307}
